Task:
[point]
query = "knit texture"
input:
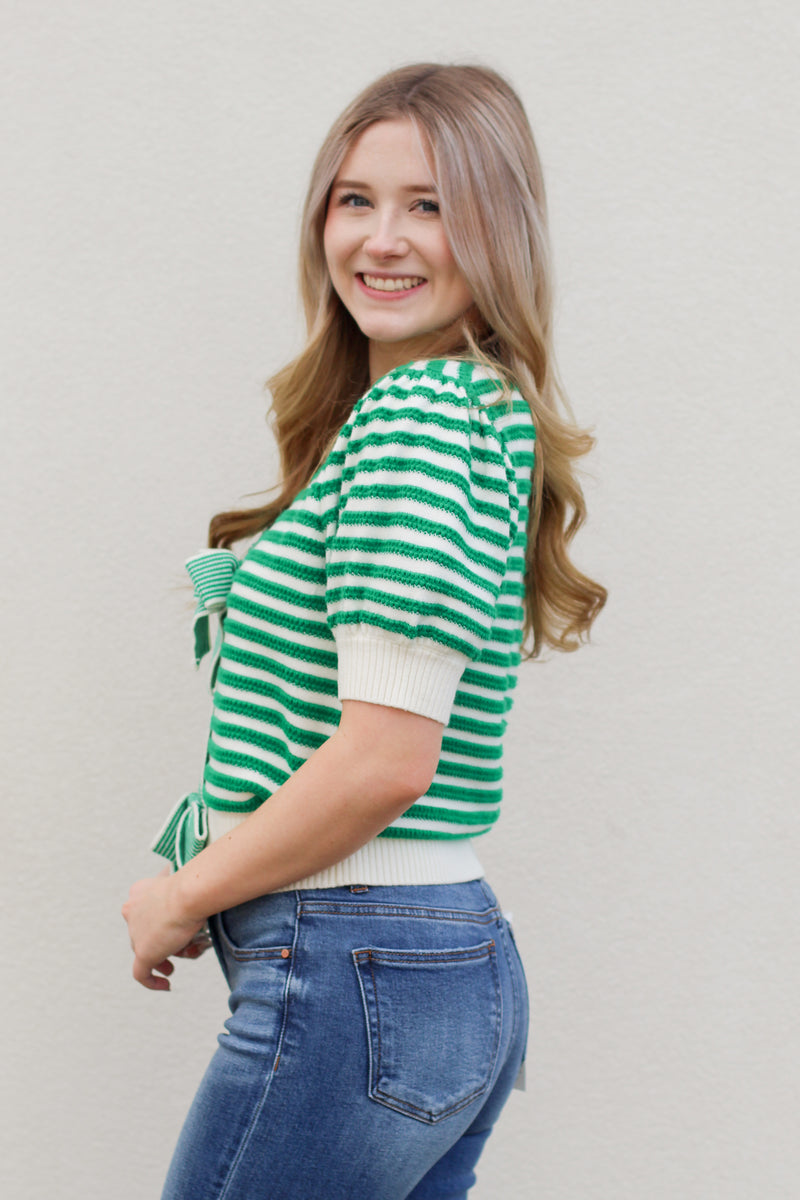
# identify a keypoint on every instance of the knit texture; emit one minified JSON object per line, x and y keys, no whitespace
{"x":396,"y":577}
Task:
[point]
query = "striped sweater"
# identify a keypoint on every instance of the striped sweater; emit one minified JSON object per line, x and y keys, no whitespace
{"x":395,"y":576}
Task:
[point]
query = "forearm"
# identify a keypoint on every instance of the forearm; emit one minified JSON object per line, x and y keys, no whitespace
{"x":350,"y":789}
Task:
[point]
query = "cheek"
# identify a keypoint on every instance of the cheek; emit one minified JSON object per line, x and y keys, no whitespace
{"x":335,"y":245}
{"x":458,"y":288}
{"x":446,"y":264}
{"x":328,"y":245}
{"x":441,"y":255}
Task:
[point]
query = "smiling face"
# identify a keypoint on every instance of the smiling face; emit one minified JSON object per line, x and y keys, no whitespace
{"x":386,"y":249}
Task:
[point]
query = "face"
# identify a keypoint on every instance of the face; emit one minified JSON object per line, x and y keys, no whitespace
{"x":385,"y":246}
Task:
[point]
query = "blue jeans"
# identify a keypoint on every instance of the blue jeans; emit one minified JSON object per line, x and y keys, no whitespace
{"x":375,"y":1034}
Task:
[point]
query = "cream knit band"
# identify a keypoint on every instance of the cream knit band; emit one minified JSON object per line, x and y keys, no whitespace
{"x":385,"y":861}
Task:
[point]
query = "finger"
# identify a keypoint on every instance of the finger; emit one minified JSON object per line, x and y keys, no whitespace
{"x":194,"y":949}
{"x":144,"y":975}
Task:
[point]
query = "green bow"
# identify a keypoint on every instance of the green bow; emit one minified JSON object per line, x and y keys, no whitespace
{"x":211,"y":572}
{"x":185,"y":831}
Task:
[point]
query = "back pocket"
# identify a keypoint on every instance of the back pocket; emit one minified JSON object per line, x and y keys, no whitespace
{"x":433,"y":1026}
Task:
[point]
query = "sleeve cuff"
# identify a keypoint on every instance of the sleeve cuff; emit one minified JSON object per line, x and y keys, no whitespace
{"x":416,"y":675}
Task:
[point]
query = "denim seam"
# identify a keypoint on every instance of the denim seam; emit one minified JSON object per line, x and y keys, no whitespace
{"x":409,"y":1109}
{"x":505,"y":929}
{"x":270,"y":1074}
{"x":464,"y":916}
{"x":507,"y":935}
{"x":512,"y":975}
{"x":463,"y":954}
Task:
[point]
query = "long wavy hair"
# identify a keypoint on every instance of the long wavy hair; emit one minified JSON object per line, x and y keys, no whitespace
{"x":494,"y":213}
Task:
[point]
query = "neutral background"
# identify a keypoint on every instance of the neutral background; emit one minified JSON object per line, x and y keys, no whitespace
{"x":154,"y":162}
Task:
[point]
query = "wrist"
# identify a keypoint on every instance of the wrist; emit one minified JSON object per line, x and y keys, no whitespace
{"x":185,"y":900}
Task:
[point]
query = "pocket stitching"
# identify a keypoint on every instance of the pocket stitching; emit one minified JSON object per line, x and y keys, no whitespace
{"x":284,"y":953}
{"x":249,"y":953}
{"x":487,"y":951}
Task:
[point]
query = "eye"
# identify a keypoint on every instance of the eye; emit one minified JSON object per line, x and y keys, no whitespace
{"x":352,"y":200}
{"x":427,"y":206}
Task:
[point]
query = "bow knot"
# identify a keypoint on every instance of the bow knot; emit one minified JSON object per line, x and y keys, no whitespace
{"x":185,"y":831}
{"x":211,"y":573}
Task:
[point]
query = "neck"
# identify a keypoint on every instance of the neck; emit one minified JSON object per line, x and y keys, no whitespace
{"x":385,"y":356}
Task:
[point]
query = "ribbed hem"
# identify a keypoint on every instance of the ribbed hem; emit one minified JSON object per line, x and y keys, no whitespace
{"x":383,"y":862}
{"x":416,"y":675}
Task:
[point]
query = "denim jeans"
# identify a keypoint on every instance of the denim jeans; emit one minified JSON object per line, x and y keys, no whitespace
{"x":375,"y":1034}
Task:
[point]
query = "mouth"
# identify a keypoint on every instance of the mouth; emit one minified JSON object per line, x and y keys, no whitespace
{"x":390,"y":286}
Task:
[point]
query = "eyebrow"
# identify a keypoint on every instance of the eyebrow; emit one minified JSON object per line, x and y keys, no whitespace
{"x":411,"y":187}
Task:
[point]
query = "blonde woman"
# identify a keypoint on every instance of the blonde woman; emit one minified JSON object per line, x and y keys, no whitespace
{"x":371,"y":637}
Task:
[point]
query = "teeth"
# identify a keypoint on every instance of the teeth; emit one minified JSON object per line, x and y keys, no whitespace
{"x":392,"y":285}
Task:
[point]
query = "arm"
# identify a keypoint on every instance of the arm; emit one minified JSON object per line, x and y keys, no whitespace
{"x":366,"y":774}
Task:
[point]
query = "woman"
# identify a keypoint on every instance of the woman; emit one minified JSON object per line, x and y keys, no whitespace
{"x":371,"y":640}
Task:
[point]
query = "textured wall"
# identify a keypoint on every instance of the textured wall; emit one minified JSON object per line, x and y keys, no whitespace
{"x":154,"y":163}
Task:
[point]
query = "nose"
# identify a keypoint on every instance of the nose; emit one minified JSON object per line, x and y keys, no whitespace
{"x":385,"y":238}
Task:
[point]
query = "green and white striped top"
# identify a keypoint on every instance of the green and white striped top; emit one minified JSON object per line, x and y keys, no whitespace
{"x":394,"y":577}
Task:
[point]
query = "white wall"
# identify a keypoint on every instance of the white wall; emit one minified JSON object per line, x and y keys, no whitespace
{"x":155,"y":161}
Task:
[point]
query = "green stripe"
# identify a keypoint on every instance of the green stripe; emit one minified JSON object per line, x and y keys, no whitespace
{"x":287,"y":566}
{"x":296,"y":733}
{"x":311,"y":627}
{"x":424,"y":527}
{"x":430,"y":813}
{"x":403,"y":437}
{"x":472,"y":774}
{"x":453,"y":745}
{"x":371,"y":491}
{"x":443,"y":590}
{"x":449,"y":791}
{"x":413,"y":551}
{"x":429,"y":834}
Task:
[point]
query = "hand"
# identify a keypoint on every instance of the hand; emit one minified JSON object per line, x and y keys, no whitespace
{"x":158,"y":929}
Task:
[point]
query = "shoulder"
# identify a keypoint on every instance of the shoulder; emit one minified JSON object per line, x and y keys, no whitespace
{"x":451,"y":393}
{"x":455,"y":381}
{"x":436,"y":413}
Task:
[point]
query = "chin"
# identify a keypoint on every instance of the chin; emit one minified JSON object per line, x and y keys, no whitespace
{"x":383,"y":328}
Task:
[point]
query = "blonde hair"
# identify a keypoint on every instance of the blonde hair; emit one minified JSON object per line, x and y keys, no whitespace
{"x":494,"y":213}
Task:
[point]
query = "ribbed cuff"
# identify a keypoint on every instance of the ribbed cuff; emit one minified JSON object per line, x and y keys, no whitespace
{"x":416,"y":675}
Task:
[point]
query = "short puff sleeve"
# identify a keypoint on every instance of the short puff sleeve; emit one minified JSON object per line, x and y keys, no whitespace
{"x":419,"y":546}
